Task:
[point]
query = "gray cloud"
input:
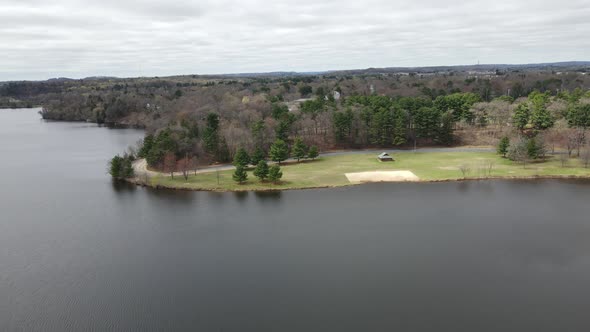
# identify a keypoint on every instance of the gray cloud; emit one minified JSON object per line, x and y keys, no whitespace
{"x":42,"y":39}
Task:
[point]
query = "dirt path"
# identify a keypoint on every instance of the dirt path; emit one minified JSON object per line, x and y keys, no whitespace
{"x":141,"y":169}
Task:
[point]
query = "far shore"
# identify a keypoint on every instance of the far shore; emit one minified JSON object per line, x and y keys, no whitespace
{"x":329,"y":171}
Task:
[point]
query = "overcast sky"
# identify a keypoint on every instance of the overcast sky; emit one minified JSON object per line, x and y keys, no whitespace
{"x":40,"y":39}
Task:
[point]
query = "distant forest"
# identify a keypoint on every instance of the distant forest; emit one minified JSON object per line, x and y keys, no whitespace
{"x":211,"y":118}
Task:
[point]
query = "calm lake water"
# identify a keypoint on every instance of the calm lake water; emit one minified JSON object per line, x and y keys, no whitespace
{"x":79,"y":253}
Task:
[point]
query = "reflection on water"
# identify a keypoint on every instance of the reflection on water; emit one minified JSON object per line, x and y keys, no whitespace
{"x":123,"y":186}
{"x":270,"y":196}
{"x":241,"y":195}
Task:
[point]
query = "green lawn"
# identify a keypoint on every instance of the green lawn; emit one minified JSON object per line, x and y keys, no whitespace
{"x":428,"y":166}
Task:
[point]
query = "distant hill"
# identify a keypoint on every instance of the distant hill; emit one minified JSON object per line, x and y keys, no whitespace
{"x":568,"y":65}
{"x":580,"y":66}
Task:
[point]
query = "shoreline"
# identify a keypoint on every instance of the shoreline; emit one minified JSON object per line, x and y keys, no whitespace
{"x":336,"y":170}
{"x":138,"y":182}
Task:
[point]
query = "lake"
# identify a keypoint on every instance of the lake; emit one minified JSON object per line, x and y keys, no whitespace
{"x":78,"y":252}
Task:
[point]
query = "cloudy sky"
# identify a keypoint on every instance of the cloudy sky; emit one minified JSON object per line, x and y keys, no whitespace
{"x":40,"y":39}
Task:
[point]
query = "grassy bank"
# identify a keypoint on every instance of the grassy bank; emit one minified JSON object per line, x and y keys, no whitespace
{"x":428,"y":166}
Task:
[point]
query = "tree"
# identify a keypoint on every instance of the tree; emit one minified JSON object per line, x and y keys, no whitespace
{"x":521,"y":116}
{"x":223,"y":151}
{"x":465,"y":169}
{"x":585,"y":157}
{"x":575,"y":140}
{"x":148,"y":144}
{"x":115,"y":167}
{"x":128,"y":171}
{"x":579,"y":116}
{"x":261,"y":171}
{"x":121,"y":167}
{"x":170,"y":163}
{"x":540,"y":117}
{"x":283,"y":128}
{"x":257,"y":156}
{"x":400,"y":127}
{"x":503,"y":146}
{"x":313,"y":152}
{"x":518,"y":152}
{"x":258,"y":133}
{"x":564,"y":158}
{"x":305,"y":90}
{"x":426,"y":122}
{"x":278,"y":111}
{"x":299,"y":149}
{"x":185,"y":165}
{"x":275,"y":174}
{"x":211,"y":135}
{"x":241,"y":158}
{"x":445,"y":131}
{"x":342,"y":122}
{"x":240,"y":174}
{"x":279,"y":151}
{"x":532,"y":148}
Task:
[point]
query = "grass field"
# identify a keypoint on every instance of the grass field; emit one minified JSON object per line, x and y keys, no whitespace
{"x":428,"y":166}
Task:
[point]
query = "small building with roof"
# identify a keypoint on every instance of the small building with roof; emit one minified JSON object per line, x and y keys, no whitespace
{"x":385,"y":157}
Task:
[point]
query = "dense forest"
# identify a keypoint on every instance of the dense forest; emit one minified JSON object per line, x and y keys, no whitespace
{"x":210,"y":118}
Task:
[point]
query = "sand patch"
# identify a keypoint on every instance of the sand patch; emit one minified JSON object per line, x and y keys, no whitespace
{"x":382,"y":176}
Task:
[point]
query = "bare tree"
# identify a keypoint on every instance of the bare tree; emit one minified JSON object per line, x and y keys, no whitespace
{"x":170,"y":163}
{"x":194,"y":164}
{"x":518,"y":152}
{"x":564,"y":159}
{"x":465,"y":169}
{"x":490,"y":166}
{"x":184,"y":165}
{"x":575,"y":140}
{"x":585,"y":156}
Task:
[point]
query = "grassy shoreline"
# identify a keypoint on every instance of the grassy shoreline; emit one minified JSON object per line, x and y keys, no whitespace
{"x":328,"y":172}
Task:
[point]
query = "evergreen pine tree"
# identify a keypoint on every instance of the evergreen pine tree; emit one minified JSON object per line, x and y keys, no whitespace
{"x":241,"y":158}
{"x":115,"y":167}
{"x":299,"y":149}
{"x":275,"y":173}
{"x":127,"y":168}
{"x":313,"y":152}
{"x":257,"y":156}
{"x":240,"y":175}
{"x":279,"y":151}
{"x":261,"y":170}
{"x":503,"y":146}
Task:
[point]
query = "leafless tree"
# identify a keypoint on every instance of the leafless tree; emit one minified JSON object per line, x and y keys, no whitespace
{"x":184,"y":165}
{"x":585,"y":156}
{"x":575,"y":140}
{"x":564,"y":159}
{"x":518,"y":152}
{"x":465,"y":169}
{"x":170,"y":163}
{"x":490,"y":166}
{"x":194,"y":164}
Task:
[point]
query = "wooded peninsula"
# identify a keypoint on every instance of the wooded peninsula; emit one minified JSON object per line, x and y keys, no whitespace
{"x":530,"y":114}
